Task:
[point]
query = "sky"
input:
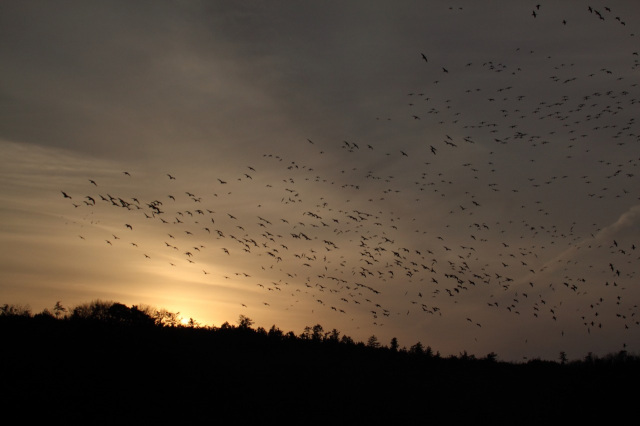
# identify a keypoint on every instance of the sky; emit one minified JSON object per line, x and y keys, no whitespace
{"x":460,"y":174}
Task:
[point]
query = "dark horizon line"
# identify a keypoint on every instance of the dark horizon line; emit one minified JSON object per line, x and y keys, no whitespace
{"x":117,"y":314}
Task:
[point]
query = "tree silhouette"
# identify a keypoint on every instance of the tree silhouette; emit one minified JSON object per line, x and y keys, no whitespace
{"x":165,"y":318}
{"x":417,"y":349}
{"x":275,"y":365}
{"x":15,"y":310}
{"x":306,"y":333}
{"x":317,"y":333}
{"x":59,"y":310}
{"x":244,"y":322}
{"x":372,"y":342}
{"x":563,"y":357}
{"x":346,"y":340}
{"x":333,"y":335}
{"x":394,"y":344}
{"x":46,"y":313}
{"x":96,"y":310}
{"x":429,"y":352}
{"x":275,"y":332}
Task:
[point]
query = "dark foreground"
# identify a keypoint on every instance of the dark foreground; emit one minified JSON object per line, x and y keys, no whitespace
{"x":90,"y":372}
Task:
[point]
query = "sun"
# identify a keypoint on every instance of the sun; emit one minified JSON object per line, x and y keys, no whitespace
{"x":184,"y":321}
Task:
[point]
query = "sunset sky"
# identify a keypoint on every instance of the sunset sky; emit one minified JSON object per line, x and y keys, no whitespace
{"x":464,"y":174}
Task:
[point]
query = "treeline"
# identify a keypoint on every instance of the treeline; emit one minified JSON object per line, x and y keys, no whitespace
{"x":108,"y":358}
{"x":114,"y":313}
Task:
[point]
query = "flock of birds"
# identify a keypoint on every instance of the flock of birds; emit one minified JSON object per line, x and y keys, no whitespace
{"x":499,"y":213}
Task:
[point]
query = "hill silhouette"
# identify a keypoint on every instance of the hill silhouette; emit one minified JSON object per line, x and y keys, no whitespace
{"x":104,"y":361}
